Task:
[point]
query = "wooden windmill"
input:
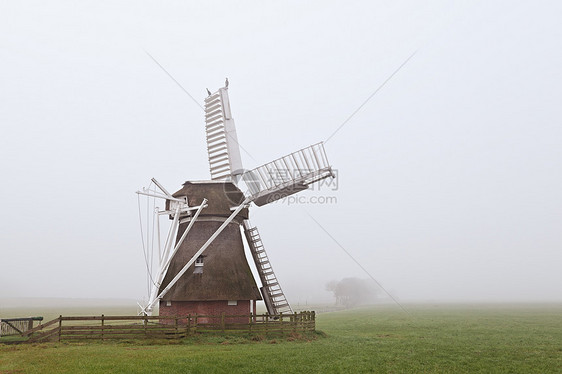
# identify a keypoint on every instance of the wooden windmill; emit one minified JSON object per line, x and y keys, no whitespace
{"x":202,"y":265}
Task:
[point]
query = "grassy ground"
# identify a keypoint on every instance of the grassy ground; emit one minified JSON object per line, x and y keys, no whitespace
{"x":441,"y":339}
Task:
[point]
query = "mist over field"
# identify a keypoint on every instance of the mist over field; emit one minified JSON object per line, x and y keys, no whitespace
{"x":448,"y":177}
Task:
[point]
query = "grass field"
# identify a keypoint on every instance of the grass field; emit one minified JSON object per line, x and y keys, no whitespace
{"x":437,"y":338}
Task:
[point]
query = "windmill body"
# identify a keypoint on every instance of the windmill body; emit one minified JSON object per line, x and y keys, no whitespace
{"x":220,"y":280}
{"x":203,"y":268}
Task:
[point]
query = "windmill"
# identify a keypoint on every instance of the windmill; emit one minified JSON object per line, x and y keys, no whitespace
{"x":202,"y":267}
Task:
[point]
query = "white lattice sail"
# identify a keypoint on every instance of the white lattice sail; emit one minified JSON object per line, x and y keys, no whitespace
{"x":222,"y":142}
{"x":287,"y":175}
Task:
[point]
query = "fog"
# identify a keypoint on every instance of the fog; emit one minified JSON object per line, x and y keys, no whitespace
{"x":449,"y":176}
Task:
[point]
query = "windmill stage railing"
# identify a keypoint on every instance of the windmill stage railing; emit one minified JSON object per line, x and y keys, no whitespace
{"x":288,"y":174}
{"x":103,"y":327}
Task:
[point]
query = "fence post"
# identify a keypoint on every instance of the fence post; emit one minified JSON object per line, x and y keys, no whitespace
{"x":60,"y":326}
{"x":195,"y":324}
{"x":188,"y":324}
{"x":145,"y":325}
{"x":250,"y":324}
{"x":102,"y":325}
{"x":313,"y":316}
{"x":266,"y":323}
{"x":176,"y":319}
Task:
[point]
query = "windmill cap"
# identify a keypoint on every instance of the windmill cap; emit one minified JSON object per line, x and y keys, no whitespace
{"x":221,"y":197}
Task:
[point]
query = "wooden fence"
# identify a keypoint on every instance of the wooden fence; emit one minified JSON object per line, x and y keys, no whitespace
{"x":167,"y":327}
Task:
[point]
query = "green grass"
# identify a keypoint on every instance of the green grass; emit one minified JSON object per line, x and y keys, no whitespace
{"x":436,"y":339}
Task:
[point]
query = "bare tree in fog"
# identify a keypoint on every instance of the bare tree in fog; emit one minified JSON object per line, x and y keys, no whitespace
{"x":351,"y":292}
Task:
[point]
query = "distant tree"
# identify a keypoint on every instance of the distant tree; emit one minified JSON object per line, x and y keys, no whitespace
{"x":351,"y":292}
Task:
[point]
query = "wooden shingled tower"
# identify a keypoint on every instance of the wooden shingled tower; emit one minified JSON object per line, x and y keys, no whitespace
{"x":202,"y":266}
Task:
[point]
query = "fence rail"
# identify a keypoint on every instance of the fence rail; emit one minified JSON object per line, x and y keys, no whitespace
{"x":104,"y":327}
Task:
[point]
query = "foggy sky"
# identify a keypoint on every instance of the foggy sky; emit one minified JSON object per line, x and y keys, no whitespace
{"x":449,"y":178}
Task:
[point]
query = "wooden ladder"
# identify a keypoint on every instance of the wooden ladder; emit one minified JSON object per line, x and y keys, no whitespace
{"x":273,"y":295}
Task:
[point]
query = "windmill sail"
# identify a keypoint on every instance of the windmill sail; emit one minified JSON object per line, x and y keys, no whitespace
{"x":222,"y":142}
{"x":273,"y":296}
{"x":288,"y":175}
